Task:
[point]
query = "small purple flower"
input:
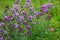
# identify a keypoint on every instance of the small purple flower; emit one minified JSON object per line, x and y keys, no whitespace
{"x":25,"y":23}
{"x":6,"y":18}
{"x":19,"y":20}
{"x":12,"y":10}
{"x":31,"y":17}
{"x":2,"y":24}
{"x":40,"y":13}
{"x":45,"y":7}
{"x":21,"y":17}
{"x":26,"y":13}
{"x":16,"y":14}
{"x":49,"y":5}
{"x":28,"y":27}
{"x":1,"y":38}
{"x":23,"y":12}
{"x":15,"y":6}
{"x":28,"y":3}
{"x":46,"y":10}
{"x":16,"y":25}
{"x":11,"y":17}
{"x":35,"y":13}
{"x":3,"y":31}
{"x":32,"y":8}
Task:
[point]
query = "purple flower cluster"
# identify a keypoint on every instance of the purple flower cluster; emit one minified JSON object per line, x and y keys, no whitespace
{"x":21,"y":19}
{"x":1,"y":33}
{"x":45,"y":7}
{"x":8,"y":18}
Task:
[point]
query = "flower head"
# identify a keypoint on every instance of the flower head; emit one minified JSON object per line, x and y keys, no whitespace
{"x":12,"y":10}
{"x":31,"y":17}
{"x":15,"y":6}
{"x":40,"y":13}
{"x":28,"y":27}
{"x":35,"y":13}
{"x":1,"y":38}
{"x":20,"y":18}
{"x":45,"y":7}
{"x":23,"y":12}
{"x":11,"y":17}
{"x":32,"y":8}
{"x":16,"y":14}
{"x":49,"y":5}
{"x":28,"y":3}
{"x":6,"y":18}
{"x":2,"y":24}
{"x":16,"y":25}
{"x":25,"y":23}
{"x":3,"y":31}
